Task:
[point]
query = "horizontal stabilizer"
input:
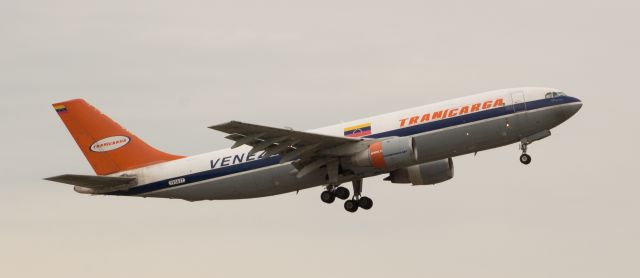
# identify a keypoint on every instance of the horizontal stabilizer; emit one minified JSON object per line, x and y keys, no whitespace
{"x":93,"y":182}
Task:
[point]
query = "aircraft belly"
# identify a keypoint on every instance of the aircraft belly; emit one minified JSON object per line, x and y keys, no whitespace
{"x":466,"y":139}
{"x":488,"y":134}
{"x":259,"y":183}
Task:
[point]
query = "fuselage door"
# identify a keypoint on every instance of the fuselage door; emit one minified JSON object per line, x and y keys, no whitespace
{"x":518,"y":101}
{"x":517,"y":121}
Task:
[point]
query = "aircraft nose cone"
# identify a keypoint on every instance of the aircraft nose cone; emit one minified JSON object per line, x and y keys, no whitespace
{"x":573,"y":107}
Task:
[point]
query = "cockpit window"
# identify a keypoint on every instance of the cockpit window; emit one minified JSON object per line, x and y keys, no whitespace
{"x":554,"y":94}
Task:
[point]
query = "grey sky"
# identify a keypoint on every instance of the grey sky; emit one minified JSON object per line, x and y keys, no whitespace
{"x":168,"y":69}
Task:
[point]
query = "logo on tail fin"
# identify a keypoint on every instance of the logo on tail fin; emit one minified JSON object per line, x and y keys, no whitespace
{"x":110,"y":143}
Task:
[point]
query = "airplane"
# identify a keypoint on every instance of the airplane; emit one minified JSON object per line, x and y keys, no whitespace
{"x":414,"y":146}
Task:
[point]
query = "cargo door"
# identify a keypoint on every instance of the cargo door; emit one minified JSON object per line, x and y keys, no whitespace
{"x":517,"y":121}
{"x":518,"y":103}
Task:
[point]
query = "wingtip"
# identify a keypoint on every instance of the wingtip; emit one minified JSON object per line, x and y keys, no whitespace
{"x":216,"y":126}
{"x":50,"y":178}
{"x":54,"y":178}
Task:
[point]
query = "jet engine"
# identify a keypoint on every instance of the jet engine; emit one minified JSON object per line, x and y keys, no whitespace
{"x":422,"y":174}
{"x":388,"y":154}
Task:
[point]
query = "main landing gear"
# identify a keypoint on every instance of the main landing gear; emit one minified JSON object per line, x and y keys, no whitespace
{"x":329,"y":195}
{"x":358,"y":201}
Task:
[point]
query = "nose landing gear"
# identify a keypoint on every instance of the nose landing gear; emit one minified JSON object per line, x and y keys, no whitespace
{"x":524,"y":157}
{"x":524,"y":142}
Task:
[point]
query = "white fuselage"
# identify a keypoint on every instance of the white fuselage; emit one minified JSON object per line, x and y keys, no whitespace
{"x":441,"y":130}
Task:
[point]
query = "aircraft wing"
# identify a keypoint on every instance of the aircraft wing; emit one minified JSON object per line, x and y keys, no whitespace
{"x":311,"y":150}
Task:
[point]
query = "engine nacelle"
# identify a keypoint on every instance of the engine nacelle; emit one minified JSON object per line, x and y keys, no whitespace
{"x":388,"y":154}
{"x":425,"y":173}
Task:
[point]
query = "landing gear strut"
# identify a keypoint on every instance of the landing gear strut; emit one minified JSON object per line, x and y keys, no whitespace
{"x":524,"y":157}
{"x":357,"y":200}
{"x":524,"y":142}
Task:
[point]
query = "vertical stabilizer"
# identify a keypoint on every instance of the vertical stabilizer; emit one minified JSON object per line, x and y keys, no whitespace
{"x":108,"y":147}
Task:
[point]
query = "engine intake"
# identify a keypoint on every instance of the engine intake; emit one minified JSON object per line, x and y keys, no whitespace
{"x":422,"y":174}
{"x":388,"y":154}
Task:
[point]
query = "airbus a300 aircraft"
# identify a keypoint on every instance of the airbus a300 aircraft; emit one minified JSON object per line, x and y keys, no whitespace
{"x":413,"y":146}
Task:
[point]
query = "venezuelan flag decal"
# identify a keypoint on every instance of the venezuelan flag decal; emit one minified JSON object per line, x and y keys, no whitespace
{"x":60,"y":108}
{"x":358,"y":130}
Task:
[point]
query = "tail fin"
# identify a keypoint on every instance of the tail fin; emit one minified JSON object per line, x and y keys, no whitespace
{"x":108,"y":147}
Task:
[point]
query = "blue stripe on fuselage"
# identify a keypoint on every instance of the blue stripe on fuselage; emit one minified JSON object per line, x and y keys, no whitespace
{"x":405,"y":131}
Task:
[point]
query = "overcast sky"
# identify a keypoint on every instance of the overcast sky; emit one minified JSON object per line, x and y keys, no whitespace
{"x":168,"y":69}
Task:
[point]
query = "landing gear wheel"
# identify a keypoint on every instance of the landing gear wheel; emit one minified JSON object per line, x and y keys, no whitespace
{"x":342,"y":193}
{"x":351,"y":205}
{"x":327,"y":197}
{"x":525,"y":159}
{"x":365,"y":202}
